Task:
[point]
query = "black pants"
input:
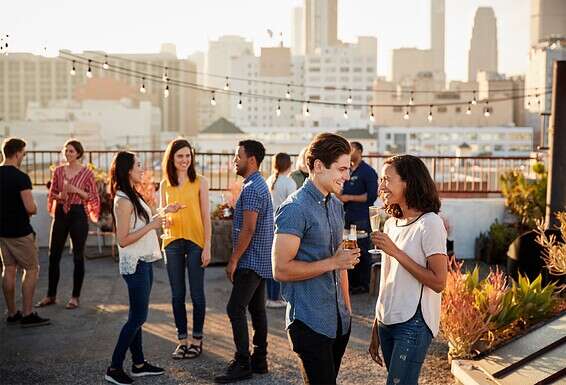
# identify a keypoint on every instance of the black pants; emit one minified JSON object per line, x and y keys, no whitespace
{"x":74,"y":223}
{"x":248,"y":291}
{"x":320,"y":355}
{"x":359,"y":276}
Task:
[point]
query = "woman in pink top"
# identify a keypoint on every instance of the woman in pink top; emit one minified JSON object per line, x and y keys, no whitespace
{"x":73,"y":198}
{"x":413,"y":271}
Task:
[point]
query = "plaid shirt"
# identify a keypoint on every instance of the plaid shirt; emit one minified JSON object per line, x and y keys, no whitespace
{"x":255,"y":196}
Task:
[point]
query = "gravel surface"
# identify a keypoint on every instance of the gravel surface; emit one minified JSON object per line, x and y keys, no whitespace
{"x":76,"y":347}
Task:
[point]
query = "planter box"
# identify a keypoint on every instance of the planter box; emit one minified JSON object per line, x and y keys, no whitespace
{"x":221,"y":247}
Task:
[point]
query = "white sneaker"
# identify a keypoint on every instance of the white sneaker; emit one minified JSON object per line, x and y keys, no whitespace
{"x":275,"y":304}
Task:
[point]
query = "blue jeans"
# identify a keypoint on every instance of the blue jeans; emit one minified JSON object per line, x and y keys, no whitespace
{"x":273,"y":289}
{"x":182,"y":253}
{"x":139,"y":288}
{"x":404,"y":346}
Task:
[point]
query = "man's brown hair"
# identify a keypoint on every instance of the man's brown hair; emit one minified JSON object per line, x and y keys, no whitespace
{"x":11,"y":146}
{"x":327,"y":148}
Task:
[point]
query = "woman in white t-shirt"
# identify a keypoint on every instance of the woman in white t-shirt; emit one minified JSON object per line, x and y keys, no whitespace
{"x":280,"y":186}
{"x":414,"y":269}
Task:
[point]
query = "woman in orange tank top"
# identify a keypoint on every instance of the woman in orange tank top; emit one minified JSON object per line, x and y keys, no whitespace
{"x":186,"y":241}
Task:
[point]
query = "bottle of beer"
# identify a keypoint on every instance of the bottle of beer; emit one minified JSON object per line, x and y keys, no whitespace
{"x":352,"y":241}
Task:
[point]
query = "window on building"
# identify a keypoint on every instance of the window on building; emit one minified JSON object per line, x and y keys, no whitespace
{"x":344,"y":69}
{"x":441,"y":109}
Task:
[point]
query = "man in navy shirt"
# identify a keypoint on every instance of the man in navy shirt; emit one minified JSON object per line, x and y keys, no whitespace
{"x":249,"y":264}
{"x":360,"y":192}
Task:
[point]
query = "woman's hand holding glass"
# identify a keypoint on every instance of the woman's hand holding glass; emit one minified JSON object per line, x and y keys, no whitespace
{"x":166,"y":220}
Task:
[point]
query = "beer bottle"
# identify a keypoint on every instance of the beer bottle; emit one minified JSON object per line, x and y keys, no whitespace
{"x":352,"y":241}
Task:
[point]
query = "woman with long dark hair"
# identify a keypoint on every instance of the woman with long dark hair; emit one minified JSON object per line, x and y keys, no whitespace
{"x":280,"y":186}
{"x":138,"y":248}
{"x":186,"y":241}
{"x":413,"y":271}
{"x":72,"y":199}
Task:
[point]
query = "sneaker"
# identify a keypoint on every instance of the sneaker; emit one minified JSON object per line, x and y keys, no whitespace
{"x":14,"y":319}
{"x":32,"y":320}
{"x":118,"y":377}
{"x":147,"y":370}
{"x":236,"y":371}
{"x":275,"y":304}
{"x":259,"y":364}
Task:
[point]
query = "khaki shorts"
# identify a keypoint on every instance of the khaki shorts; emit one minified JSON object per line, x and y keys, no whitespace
{"x":20,"y":251}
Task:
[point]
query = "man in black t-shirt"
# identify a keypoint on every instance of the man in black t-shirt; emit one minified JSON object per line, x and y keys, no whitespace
{"x":17,"y":238}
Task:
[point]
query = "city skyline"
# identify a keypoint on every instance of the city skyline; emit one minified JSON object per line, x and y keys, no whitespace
{"x":145,"y":28}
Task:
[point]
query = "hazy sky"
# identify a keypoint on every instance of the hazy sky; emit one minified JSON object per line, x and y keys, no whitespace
{"x":141,"y":26}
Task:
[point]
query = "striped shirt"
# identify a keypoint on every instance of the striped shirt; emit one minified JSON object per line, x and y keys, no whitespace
{"x":83,"y":180}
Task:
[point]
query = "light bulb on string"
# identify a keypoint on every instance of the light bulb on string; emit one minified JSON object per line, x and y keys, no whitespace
{"x":73,"y":70}
{"x":538,"y":101}
{"x":486,"y":110}
{"x":406,"y":116}
{"x":412,"y":99}
{"x":105,"y":65}
{"x":89,"y":71}
{"x":165,"y":76}
{"x":429,"y":117}
{"x":240,"y":103}
{"x":166,"y":91}
{"x":288,"y":93}
{"x":345,"y":113}
{"x":371,"y":115}
{"x":213,"y":99}
{"x":227,"y":84}
{"x":474,"y":99}
{"x":306,"y":110}
{"x":469,"y":109}
{"x":142,"y":87}
{"x":349,"y":101}
{"x":278,"y":110}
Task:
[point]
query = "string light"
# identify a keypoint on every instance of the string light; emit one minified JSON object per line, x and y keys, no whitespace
{"x":278,"y":110}
{"x":105,"y":65}
{"x":371,"y":115}
{"x":288,"y":93}
{"x":213,"y":99}
{"x":350,"y":97}
{"x":486,"y":111}
{"x":240,"y":104}
{"x":89,"y":71}
{"x":429,"y":118}
{"x":406,"y":116}
{"x":166,"y":91}
{"x":73,"y":70}
{"x":469,"y":109}
{"x":142,"y":88}
{"x":165,"y":76}
{"x":306,"y":110}
{"x":345,"y":113}
{"x":412,"y":99}
{"x":227,"y":84}
{"x":474,"y":99}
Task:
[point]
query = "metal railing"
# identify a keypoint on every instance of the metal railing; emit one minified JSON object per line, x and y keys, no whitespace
{"x":451,"y":174}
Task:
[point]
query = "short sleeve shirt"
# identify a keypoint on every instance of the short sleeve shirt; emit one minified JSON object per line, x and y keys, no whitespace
{"x":255,"y":197}
{"x":318,"y":221}
{"x":14,"y":219}
{"x":399,"y":291}
{"x":363,"y":180}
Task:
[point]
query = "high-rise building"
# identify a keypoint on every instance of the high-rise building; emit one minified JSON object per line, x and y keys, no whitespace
{"x":321,"y":24}
{"x":548,"y":20}
{"x":26,"y":78}
{"x":483,"y":45}
{"x":298,"y":31}
{"x":437,"y":37}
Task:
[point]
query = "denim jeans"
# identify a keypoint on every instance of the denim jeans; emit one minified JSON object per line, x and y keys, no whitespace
{"x":248,"y":292}
{"x":404,"y":346}
{"x":273,"y":289}
{"x":179,"y":254}
{"x":139,"y":288}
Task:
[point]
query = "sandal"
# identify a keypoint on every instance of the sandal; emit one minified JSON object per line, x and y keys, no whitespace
{"x":194,"y":350}
{"x":181,"y":352}
{"x":47,"y":301}
{"x":72,"y":305}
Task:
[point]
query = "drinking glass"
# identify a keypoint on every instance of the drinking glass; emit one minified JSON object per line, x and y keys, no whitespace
{"x":376,"y":219}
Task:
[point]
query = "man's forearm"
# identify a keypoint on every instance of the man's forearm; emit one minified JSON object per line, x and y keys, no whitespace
{"x":300,"y":270}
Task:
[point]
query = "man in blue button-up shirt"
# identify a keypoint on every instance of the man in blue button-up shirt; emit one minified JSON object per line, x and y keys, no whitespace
{"x":311,"y":264}
{"x":249,"y":264}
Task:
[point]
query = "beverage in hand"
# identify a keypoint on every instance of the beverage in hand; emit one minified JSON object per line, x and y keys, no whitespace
{"x":352,"y":241}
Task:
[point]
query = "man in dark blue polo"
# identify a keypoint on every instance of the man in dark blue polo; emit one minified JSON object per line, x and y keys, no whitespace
{"x":311,"y":265}
{"x":249,"y":264}
{"x":360,"y":192}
